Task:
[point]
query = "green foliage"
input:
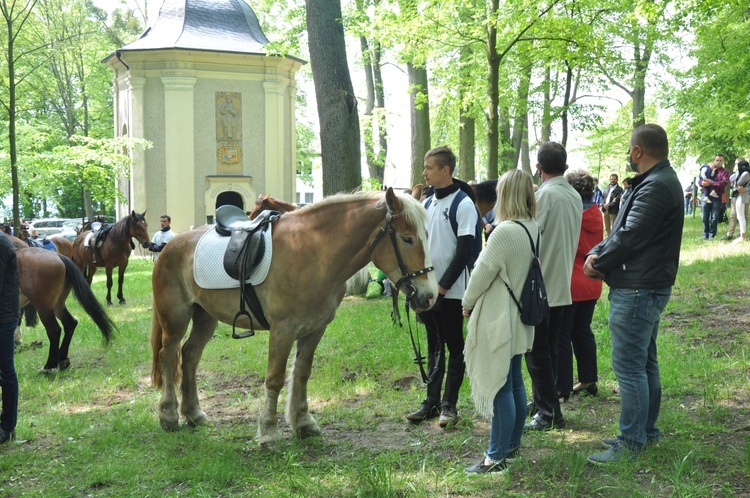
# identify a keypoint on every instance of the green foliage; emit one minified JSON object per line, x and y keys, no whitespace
{"x":710,"y":102}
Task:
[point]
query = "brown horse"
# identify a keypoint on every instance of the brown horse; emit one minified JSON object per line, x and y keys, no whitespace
{"x":46,"y":281}
{"x":62,"y":245}
{"x":315,"y":250}
{"x":114,"y":251}
{"x":264,"y":202}
{"x":486,"y":195}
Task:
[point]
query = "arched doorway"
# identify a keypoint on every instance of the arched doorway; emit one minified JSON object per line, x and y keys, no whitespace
{"x":231,"y":198}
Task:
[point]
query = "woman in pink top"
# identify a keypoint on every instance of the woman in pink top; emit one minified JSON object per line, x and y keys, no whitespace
{"x":575,"y":329}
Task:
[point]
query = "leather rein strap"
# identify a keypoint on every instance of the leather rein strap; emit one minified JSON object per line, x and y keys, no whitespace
{"x":405,"y":280}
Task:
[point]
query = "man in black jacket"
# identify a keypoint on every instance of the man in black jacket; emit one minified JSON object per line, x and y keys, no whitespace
{"x":9,"y":314}
{"x":639,"y":262}
{"x":611,"y":203}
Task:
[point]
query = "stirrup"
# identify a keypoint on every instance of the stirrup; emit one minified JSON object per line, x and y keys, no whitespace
{"x":245,"y":333}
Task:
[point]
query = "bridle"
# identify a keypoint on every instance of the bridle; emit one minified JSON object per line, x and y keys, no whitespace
{"x":406,"y":277}
{"x":406,"y":281}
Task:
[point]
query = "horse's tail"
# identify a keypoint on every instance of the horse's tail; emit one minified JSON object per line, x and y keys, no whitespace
{"x":157,"y":380}
{"x":31,"y":316}
{"x":87,"y":299}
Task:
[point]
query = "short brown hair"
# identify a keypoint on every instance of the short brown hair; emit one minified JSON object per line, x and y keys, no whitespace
{"x":444,"y":156}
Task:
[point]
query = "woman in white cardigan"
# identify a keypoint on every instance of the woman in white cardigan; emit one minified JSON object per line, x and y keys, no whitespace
{"x":497,"y":339}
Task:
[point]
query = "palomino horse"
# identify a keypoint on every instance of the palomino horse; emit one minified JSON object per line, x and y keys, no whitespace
{"x":62,"y":245}
{"x":46,"y":281}
{"x":315,"y":250}
{"x":114,"y":251}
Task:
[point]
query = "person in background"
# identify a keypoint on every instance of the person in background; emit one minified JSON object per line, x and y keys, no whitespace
{"x":559,"y":216}
{"x":597,"y":193}
{"x":575,"y":332}
{"x":164,"y":235}
{"x":611,"y":202}
{"x":733,"y":215}
{"x":10,"y":313}
{"x":689,"y":198}
{"x":639,"y":262}
{"x":497,"y":338}
{"x":712,"y":210}
{"x":627,"y":185}
{"x":741,"y":197}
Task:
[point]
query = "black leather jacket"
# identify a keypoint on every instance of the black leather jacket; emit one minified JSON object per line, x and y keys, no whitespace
{"x":9,"y":298}
{"x":643,"y":248}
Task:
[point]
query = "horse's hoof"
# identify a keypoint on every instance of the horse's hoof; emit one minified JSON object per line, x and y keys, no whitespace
{"x":169,"y":425}
{"x":308,"y":431}
{"x":109,"y":303}
{"x":47,"y":370}
{"x":269,"y":443}
{"x":64,"y":364}
{"x":122,"y":301}
{"x":198,"y":419}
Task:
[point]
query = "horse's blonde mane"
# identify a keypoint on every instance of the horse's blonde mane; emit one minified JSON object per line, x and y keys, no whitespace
{"x":415,"y":214}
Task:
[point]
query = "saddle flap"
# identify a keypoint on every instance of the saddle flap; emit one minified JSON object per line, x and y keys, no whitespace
{"x":244,"y":251}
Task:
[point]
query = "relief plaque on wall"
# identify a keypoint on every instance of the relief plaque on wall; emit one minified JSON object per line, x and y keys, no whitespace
{"x":228,"y":133}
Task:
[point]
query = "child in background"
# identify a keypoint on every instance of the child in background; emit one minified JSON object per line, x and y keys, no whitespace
{"x":707,"y":193}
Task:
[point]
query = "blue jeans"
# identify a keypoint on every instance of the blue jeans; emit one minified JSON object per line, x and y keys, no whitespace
{"x":634,"y":325}
{"x":711,"y":214}
{"x":8,"y":378}
{"x":509,"y":413}
{"x":688,"y":205}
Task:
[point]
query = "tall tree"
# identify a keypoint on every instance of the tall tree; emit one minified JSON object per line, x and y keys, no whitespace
{"x":16,"y":14}
{"x":337,"y":104}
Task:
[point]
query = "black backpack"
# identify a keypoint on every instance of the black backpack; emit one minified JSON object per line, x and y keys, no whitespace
{"x":533,"y":305}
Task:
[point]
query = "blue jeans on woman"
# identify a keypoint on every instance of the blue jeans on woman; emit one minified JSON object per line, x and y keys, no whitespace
{"x":509,"y":413}
{"x":634,"y":325}
{"x":8,"y":378}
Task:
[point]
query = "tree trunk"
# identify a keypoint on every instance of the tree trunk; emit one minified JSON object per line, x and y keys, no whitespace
{"x":525,"y":159}
{"x":419,"y":108}
{"x":547,"y":106}
{"x":522,"y":112}
{"x":493,"y":67}
{"x":369,"y":122}
{"x":382,"y":152}
{"x":467,"y":127}
{"x":639,"y":85}
{"x":566,"y":102}
{"x":337,"y":105}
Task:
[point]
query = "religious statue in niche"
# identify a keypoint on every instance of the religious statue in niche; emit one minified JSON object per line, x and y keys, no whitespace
{"x":229,"y":131}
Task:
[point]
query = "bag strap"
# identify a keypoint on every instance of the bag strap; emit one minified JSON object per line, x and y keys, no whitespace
{"x":535,"y":250}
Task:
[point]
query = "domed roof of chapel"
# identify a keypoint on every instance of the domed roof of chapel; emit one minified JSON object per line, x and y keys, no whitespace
{"x":210,"y":25}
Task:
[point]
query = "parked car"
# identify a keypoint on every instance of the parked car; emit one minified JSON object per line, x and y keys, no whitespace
{"x":48,"y":226}
{"x":68,"y":230}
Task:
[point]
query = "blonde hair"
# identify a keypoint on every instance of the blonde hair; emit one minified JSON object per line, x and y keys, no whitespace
{"x":515,"y":196}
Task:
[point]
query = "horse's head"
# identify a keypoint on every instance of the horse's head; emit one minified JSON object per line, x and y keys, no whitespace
{"x":23,"y":233}
{"x":138,"y":228}
{"x":404,"y":256}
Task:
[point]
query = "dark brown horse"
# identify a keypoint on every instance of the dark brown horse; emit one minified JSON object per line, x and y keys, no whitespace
{"x":46,"y":281}
{"x":315,"y":250}
{"x":114,"y":251}
{"x":486,"y":195}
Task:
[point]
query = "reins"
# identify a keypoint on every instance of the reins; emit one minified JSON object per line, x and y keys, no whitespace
{"x":406,"y":282}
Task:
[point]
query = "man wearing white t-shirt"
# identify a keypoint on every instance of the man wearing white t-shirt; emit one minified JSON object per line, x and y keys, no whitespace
{"x":450,"y":252}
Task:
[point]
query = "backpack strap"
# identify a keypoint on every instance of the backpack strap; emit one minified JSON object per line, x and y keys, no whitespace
{"x":535,"y":250}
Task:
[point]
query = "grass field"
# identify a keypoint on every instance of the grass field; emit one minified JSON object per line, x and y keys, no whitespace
{"x":92,"y":430}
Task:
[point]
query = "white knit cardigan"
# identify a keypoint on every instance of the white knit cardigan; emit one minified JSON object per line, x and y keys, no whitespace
{"x":495,"y":330}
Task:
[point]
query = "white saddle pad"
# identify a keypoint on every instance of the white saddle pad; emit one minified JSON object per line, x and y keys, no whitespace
{"x":87,"y":239}
{"x":208,"y":264}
